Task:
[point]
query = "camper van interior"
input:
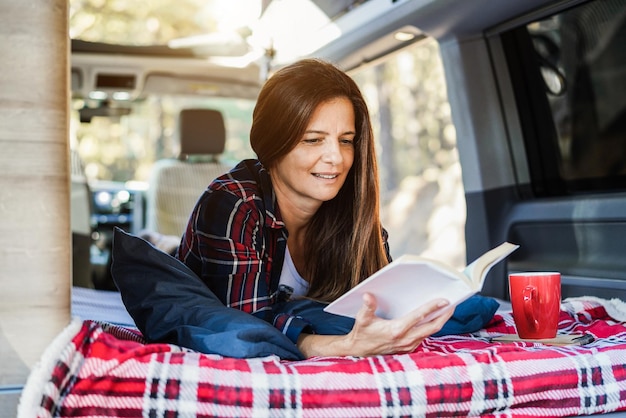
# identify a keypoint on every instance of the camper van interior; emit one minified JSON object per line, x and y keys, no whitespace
{"x":494,"y":121}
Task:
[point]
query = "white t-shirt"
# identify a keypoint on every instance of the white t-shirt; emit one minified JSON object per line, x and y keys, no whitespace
{"x":290,"y":277}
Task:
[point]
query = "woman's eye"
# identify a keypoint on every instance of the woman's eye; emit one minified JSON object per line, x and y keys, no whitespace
{"x":347,"y":141}
{"x":311,"y":140}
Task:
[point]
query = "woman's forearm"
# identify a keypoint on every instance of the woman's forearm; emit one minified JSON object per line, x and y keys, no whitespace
{"x":312,"y":345}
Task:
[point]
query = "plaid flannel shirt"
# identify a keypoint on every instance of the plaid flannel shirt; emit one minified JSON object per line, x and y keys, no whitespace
{"x":235,"y":242}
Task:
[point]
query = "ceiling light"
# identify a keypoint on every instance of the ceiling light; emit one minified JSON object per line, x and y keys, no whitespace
{"x":121,"y":95}
{"x":98,"y":95}
{"x":403,"y":36}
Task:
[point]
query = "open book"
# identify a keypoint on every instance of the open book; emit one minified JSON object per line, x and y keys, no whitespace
{"x":411,"y":281}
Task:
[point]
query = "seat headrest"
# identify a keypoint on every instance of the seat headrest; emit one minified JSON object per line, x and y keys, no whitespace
{"x":202,"y":131}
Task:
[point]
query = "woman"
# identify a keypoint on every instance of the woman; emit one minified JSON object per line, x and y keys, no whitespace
{"x":303,"y":221}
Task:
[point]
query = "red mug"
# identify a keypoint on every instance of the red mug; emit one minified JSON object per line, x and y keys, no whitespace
{"x":536,"y":302}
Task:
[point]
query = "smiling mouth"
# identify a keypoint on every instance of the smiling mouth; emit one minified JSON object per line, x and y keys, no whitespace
{"x":326,"y":176}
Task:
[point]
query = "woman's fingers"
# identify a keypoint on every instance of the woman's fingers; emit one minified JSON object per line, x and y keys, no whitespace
{"x":422,"y":326}
{"x":426,"y":320}
{"x":373,"y":335}
{"x":368,"y":310}
{"x":427,"y":312}
{"x":434,"y":324}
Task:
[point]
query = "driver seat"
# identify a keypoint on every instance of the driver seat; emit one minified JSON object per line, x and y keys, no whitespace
{"x":176,"y":184}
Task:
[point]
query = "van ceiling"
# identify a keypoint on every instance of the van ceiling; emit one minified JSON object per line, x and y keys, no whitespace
{"x":335,"y":8}
{"x":331,"y":8}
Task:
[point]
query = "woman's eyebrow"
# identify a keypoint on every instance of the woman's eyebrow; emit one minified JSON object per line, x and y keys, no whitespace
{"x":314,"y":131}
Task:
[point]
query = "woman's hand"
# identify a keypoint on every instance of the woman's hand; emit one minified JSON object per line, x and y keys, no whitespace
{"x":372,"y":335}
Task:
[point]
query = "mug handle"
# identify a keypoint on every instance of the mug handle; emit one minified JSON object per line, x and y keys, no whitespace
{"x":529,"y":295}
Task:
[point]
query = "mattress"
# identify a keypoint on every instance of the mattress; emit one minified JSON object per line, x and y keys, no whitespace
{"x":97,"y":368}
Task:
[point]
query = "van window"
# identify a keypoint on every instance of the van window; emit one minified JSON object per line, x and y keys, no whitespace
{"x":423,"y":203}
{"x":569,"y":76}
{"x":124,"y":148}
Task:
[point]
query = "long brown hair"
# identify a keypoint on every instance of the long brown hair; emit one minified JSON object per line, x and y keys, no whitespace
{"x":344,"y":243}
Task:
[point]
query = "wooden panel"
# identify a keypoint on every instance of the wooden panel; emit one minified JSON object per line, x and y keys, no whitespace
{"x":35,"y":246}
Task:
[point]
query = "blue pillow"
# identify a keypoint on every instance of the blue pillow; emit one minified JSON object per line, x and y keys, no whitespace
{"x":470,"y":315}
{"x":169,"y":303}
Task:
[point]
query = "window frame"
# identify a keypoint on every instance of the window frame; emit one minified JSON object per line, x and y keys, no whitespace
{"x":539,"y":133}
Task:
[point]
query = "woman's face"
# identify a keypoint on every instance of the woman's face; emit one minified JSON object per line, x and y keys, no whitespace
{"x":314,"y":171}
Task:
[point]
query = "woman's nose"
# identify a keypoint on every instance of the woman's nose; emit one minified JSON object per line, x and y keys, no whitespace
{"x":332,"y":152}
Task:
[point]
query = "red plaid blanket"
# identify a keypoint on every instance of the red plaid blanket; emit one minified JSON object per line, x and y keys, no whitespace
{"x":101,"y":370}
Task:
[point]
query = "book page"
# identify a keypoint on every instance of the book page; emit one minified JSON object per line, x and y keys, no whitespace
{"x":477,"y":271}
{"x":406,"y":284}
